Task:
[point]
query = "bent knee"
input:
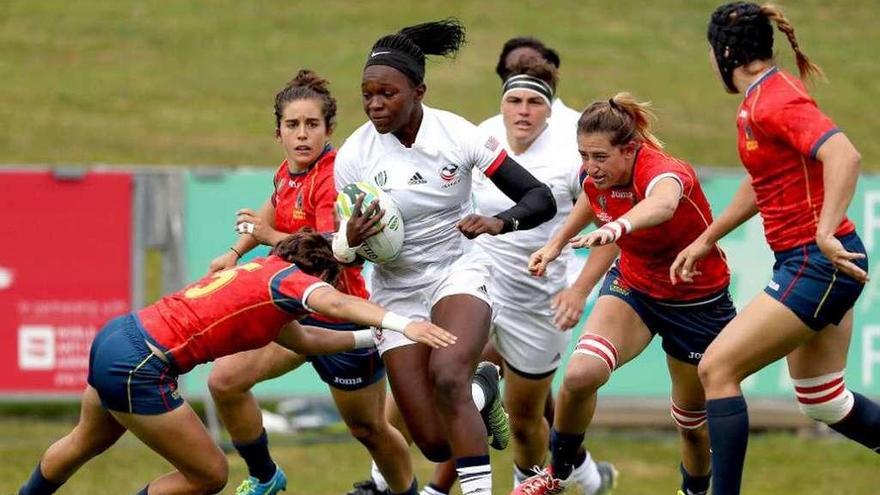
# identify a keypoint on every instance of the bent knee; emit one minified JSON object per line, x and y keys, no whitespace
{"x":368,"y":431}
{"x":585,"y":376}
{"x":452,"y":386}
{"x":214,"y":478}
{"x":224,"y":382}
{"x":714,"y":373}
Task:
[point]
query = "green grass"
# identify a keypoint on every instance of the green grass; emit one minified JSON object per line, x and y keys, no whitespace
{"x":777,"y":463}
{"x":176,"y":82}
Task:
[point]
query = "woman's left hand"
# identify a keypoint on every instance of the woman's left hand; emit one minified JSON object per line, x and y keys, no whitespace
{"x":473,"y":225}
{"x":841,"y":258}
{"x":247,"y":222}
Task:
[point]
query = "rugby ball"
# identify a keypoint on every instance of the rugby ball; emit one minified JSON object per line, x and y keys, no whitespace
{"x":386,"y":245}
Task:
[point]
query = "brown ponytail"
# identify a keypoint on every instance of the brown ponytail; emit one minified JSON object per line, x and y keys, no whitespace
{"x":623,"y":117}
{"x":808,"y":70}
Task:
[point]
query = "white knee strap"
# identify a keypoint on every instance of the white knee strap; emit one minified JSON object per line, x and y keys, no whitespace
{"x":824,"y":398}
{"x":597,"y":346}
{"x":688,"y":420}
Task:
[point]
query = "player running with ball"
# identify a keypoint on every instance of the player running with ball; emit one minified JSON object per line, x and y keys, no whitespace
{"x":424,"y":158}
{"x":649,"y":205}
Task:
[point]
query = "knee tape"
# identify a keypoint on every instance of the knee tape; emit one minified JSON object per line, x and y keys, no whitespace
{"x":824,"y":398}
{"x":687,"y":420}
{"x":597,"y":346}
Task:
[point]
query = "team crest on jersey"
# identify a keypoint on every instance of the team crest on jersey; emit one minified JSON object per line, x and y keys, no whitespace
{"x":449,"y":174}
{"x":603,"y":202}
{"x":298,"y":213}
{"x":381,"y":178}
{"x":492,"y":143}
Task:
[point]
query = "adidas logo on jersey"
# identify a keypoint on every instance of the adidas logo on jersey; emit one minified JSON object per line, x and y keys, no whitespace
{"x":417,"y":179}
{"x":483,"y":289}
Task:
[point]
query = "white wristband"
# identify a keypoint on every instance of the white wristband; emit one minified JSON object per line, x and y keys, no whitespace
{"x":341,"y":250}
{"x":395,"y":322}
{"x":363,"y":339}
{"x":627,"y":226}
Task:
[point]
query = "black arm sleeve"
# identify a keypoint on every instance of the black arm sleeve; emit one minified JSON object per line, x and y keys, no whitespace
{"x":534,"y":201}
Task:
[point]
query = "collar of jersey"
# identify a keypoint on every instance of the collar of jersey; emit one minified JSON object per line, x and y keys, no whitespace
{"x":327,"y":148}
{"x":763,"y":77}
{"x":426,"y":128}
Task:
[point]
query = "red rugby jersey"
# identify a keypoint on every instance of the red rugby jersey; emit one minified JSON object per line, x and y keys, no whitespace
{"x":646,"y":254}
{"x":229,"y":311}
{"x":307,"y":200}
{"x":780,"y":131}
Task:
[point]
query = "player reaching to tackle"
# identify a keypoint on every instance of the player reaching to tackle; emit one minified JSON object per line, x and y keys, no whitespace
{"x":423,"y":158}
{"x":649,"y":205}
{"x":135,"y":359}
{"x":802,"y":172}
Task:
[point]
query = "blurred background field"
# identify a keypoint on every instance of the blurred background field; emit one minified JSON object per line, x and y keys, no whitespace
{"x":184,"y":82}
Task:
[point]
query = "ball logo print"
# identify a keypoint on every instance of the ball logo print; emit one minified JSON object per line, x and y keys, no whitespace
{"x":385,"y":245}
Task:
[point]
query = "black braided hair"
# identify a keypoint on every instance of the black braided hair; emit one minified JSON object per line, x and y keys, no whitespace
{"x":512,"y":44}
{"x":739,"y":33}
{"x":407,"y":49}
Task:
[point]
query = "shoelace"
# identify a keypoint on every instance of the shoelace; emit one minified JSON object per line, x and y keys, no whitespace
{"x":542,"y":480}
{"x":245,"y":487}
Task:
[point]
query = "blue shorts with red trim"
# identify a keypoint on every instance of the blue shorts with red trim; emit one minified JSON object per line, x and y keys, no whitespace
{"x":686,"y":327}
{"x":807,"y":283}
{"x":352,"y":370}
{"x":129,"y":378}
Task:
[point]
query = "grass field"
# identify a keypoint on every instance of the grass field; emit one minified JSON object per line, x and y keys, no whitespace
{"x":162,"y":82}
{"x":777,"y":464}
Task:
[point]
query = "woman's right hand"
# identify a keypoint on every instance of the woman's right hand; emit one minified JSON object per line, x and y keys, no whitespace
{"x":683,"y":268}
{"x":539,"y":260}
{"x":364,"y":223}
{"x":223,"y":262}
{"x":429,"y":334}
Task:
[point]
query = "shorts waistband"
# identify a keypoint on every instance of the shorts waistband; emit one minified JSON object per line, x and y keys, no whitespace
{"x":695,"y":302}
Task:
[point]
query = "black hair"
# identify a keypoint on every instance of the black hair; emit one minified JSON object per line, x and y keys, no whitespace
{"x":741,"y":32}
{"x":406,"y":50}
{"x":512,"y":44}
{"x":307,"y":85}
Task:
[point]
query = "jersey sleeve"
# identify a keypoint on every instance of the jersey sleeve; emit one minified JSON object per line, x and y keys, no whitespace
{"x":650,"y":172}
{"x":276,"y":180}
{"x":483,"y":151}
{"x":292,"y":287}
{"x":346,"y":168}
{"x":798,"y":121}
{"x":323,"y":200}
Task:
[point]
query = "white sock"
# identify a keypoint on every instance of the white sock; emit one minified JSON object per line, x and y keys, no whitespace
{"x":475,"y":480}
{"x":428,"y":490}
{"x":479,"y":396}
{"x":586,"y":476}
{"x":378,"y":479}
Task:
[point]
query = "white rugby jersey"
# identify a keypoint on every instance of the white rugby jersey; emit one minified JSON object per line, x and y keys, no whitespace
{"x":430,"y":183}
{"x":553,"y":159}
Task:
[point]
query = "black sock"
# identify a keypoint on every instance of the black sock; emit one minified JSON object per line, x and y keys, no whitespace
{"x":694,"y":485}
{"x":729,"y":437}
{"x":256,"y":455}
{"x":412,"y":490}
{"x":564,"y":449}
{"x":862,"y":424}
{"x":37,"y":484}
